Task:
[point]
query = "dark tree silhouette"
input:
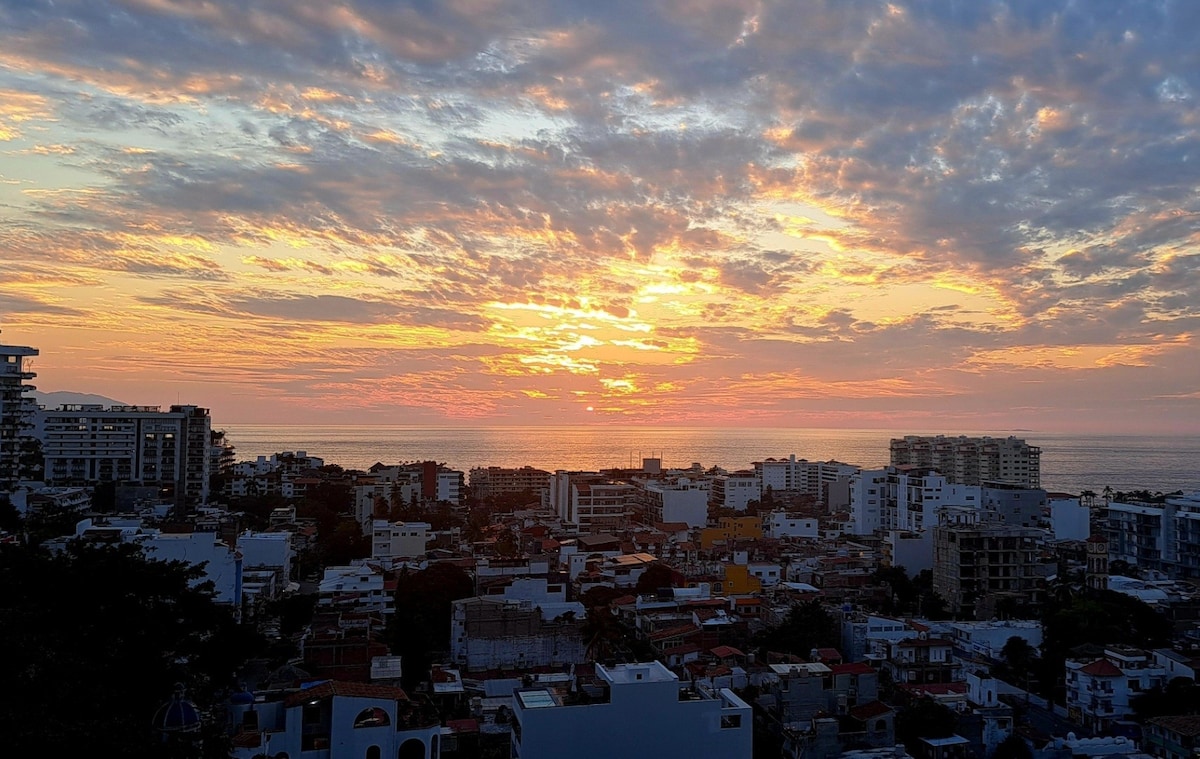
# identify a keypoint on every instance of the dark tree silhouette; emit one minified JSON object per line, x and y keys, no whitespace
{"x":96,"y":639}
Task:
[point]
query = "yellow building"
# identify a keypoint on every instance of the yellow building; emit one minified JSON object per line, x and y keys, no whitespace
{"x":739,"y":581}
{"x":730,"y":529}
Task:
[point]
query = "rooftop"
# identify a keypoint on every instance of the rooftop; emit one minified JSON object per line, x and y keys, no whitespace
{"x":621,"y":674}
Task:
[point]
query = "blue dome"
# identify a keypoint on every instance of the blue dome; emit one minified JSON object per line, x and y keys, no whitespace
{"x":241,"y":699}
{"x":178,"y":715}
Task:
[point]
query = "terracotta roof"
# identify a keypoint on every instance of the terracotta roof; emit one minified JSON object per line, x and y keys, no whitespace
{"x":1102,"y":668}
{"x":854,"y":668}
{"x":1187,"y":724}
{"x":722,"y":652}
{"x":355,"y":690}
{"x":463,"y":725}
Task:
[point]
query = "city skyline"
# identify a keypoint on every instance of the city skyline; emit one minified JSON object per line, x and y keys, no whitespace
{"x":935,"y":216}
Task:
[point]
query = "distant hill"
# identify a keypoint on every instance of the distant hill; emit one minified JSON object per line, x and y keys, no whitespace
{"x":60,"y":397}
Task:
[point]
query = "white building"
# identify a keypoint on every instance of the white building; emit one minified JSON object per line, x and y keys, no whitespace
{"x":528,"y":623}
{"x":637,"y":710}
{"x":904,"y":498}
{"x":141,"y":445}
{"x":987,"y":639}
{"x":399,"y":540}
{"x":268,"y":550}
{"x":587,"y":502}
{"x":735,"y":490}
{"x":17,"y":410}
{"x":1099,"y":691}
{"x":1069,"y":519}
{"x":675,"y":500}
{"x":971,"y":460}
{"x":792,"y":475}
{"x":780,"y":524}
{"x":335,"y":719}
{"x":357,"y":588}
{"x":222,"y":563}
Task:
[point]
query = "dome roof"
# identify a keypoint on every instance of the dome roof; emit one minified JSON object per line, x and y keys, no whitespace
{"x":242,"y":698}
{"x":178,"y":715}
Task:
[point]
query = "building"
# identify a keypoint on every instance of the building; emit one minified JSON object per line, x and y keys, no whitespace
{"x":1099,"y":691}
{"x":1175,"y":737}
{"x":528,"y":623}
{"x":780,"y":524}
{"x":399,"y":540}
{"x":495,"y":481}
{"x":588,"y":502}
{"x":18,"y":447}
{"x":904,"y":498}
{"x":735,"y":490}
{"x":334,"y":718}
{"x":85,"y":444}
{"x":678,"y":500}
{"x":802,"y":477}
{"x":977,"y":566}
{"x":1161,"y":537}
{"x":631,"y":710}
{"x":972,"y":460}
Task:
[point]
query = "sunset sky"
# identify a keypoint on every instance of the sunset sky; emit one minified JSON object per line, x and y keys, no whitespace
{"x":934,"y":216}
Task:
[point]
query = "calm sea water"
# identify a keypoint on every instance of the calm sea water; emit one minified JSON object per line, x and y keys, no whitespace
{"x":1070,"y":463}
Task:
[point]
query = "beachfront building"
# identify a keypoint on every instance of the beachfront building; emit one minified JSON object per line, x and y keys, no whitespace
{"x":17,"y":408}
{"x":637,"y":709}
{"x":1161,"y":536}
{"x":86,"y":444}
{"x":971,"y":460}
{"x":590,"y":503}
{"x":904,"y":498}
{"x":495,"y":481}
{"x":802,"y":477}
{"x":780,"y":524}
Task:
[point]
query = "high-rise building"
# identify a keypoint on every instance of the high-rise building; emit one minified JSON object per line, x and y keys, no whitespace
{"x":16,"y":417}
{"x":140,"y":445}
{"x":972,"y":460}
{"x":977,"y":565}
{"x":493,"y":481}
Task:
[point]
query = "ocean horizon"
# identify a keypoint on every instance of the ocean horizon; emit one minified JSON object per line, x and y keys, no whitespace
{"x":1071,"y":462}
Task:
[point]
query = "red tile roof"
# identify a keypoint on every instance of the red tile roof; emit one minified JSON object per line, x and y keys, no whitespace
{"x":1102,"y":668}
{"x":354,"y":690}
{"x":854,"y":668}
{"x":722,"y":652}
{"x":463,"y":725}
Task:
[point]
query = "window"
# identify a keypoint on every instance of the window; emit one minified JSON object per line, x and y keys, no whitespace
{"x":731,"y":721}
{"x":374,"y":752}
{"x":372,"y":717}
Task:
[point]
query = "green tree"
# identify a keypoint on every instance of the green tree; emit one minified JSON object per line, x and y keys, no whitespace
{"x":96,"y":638}
{"x":807,"y":626}
{"x":657,"y":575}
{"x":420,"y":628}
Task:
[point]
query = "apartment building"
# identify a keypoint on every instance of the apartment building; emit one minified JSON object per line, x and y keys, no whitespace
{"x":631,"y":710}
{"x":971,"y":460}
{"x":1099,"y":691}
{"x":588,"y":502}
{"x":494,"y":481}
{"x":17,"y":410}
{"x":1163,"y":537}
{"x":399,"y":540}
{"x":976,"y":565}
{"x":735,"y":490}
{"x":677,"y":500}
{"x":800,"y":476}
{"x":85,"y":444}
{"x":904,"y":498}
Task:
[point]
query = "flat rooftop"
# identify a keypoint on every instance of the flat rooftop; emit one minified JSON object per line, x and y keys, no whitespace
{"x":620,"y":674}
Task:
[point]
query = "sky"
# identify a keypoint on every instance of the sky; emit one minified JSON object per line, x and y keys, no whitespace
{"x":934,"y":216}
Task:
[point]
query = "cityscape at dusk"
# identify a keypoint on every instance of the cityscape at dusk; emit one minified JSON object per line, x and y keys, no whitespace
{"x":928,"y":216}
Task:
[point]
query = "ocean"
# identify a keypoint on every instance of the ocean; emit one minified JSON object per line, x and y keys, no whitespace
{"x":1070,"y":463}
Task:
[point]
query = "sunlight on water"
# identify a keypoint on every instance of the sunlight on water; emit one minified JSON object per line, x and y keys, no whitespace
{"x":1070,"y":463}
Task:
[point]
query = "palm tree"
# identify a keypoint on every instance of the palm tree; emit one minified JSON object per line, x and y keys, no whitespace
{"x":1088,"y":498}
{"x":1108,"y":494}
